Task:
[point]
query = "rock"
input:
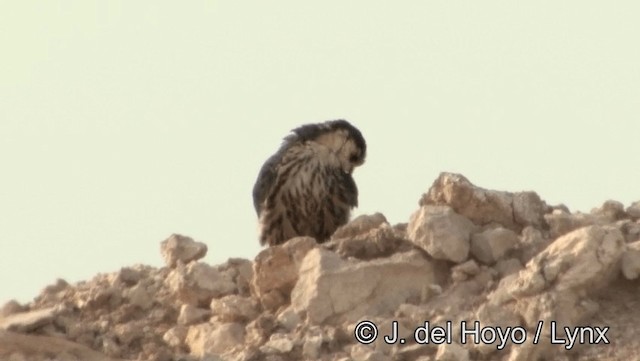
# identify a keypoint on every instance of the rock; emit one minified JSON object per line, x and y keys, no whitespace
{"x":128,"y":333}
{"x":139,"y":296}
{"x":330,"y":288}
{"x":490,"y":315}
{"x":556,"y":284}
{"x":490,"y":245}
{"x":630,"y":229}
{"x":60,"y":285}
{"x":465,"y":270}
{"x":110,"y":347}
{"x":360,"y":225}
{"x":30,"y":320}
{"x":511,"y":210}
{"x":580,"y":259}
{"x":14,"y":346}
{"x":214,"y":339}
{"x":278,"y":343}
{"x":288,"y":319}
{"x":530,"y":352}
{"x":312,"y":343}
{"x":242,"y":274}
{"x":129,"y":276}
{"x":497,"y":316}
{"x":610,"y":210}
{"x":378,"y":242}
{"x":276,"y":271}
{"x":178,"y":248}
{"x":441,"y":232}
{"x":363,"y":353}
{"x":452,"y":352}
{"x":175,"y":336}
{"x":190,"y":315}
{"x":634,"y":210}
{"x":631,"y":261}
{"x":531,"y":243}
{"x":197,"y":283}
{"x":10,"y":308}
{"x":413,"y":312}
{"x":234,"y":308}
{"x":55,"y":292}
{"x":259,"y":330}
{"x":508,"y":266}
{"x":562,"y":223}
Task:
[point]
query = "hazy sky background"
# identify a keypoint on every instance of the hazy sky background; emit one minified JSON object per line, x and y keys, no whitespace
{"x":122,"y":122}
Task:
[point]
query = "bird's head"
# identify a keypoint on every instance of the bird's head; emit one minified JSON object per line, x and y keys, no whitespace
{"x":340,"y":137}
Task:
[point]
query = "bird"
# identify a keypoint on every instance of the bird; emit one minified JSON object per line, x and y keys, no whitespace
{"x":306,"y":188}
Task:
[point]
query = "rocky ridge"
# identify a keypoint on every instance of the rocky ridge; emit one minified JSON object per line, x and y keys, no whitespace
{"x":506,"y":260}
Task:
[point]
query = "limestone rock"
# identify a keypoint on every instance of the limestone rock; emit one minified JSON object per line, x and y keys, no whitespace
{"x":631,"y":261}
{"x":631,"y":230}
{"x":214,"y":339}
{"x":11,"y":307}
{"x":241,"y":272}
{"x":452,"y":352}
{"x":178,"y":248}
{"x":556,"y":284}
{"x":511,"y":210}
{"x":278,"y":343}
{"x":508,"y":266}
{"x":175,"y":336}
{"x":312,"y":343}
{"x":360,"y":225}
{"x":14,"y":346}
{"x":465,"y":270}
{"x":532,"y":241}
{"x":139,"y":296}
{"x":259,"y":330}
{"x":491,"y":315}
{"x":30,"y":320}
{"x":561,"y":223}
{"x":382,"y":241}
{"x":580,"y":259}
{"x":442,"y":232}
{"x":197,"y":283}
{"x":634,"y":210}
{"x":610,"y":210}
{"x":363,"y":353}
{"x":276,"y":271}
{"x":129,"y":276}
{"x":128,"y":333}
{"x":330,"y":287}
{"x":234,"y":308}
{"x":190,"y":315}
{"x":288,"y":319}
{"x":490,"y":245}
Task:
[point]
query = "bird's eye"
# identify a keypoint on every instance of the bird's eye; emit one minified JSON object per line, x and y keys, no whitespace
{"x":354,"y":158}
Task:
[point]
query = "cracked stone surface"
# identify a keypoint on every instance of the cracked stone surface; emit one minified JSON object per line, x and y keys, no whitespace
{"x":511,"y":210}
{"x":330,"y":288}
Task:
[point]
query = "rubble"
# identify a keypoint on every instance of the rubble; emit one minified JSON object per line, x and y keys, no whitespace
{"x":442,"y":232}
{"x":332,"y":289}
{"x":180,"y":249}
{"x":504,"y":259}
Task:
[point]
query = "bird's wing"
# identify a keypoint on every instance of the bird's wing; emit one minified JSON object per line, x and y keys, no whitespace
{"x":265,"y":181}
{"x":350,"y":190}
{"x":268,"y":174}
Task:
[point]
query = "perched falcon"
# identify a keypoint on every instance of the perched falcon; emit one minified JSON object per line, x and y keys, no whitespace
{"x":306,"y":187}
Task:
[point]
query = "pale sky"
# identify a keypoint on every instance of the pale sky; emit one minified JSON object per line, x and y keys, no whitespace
{"x":122,"y":122}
